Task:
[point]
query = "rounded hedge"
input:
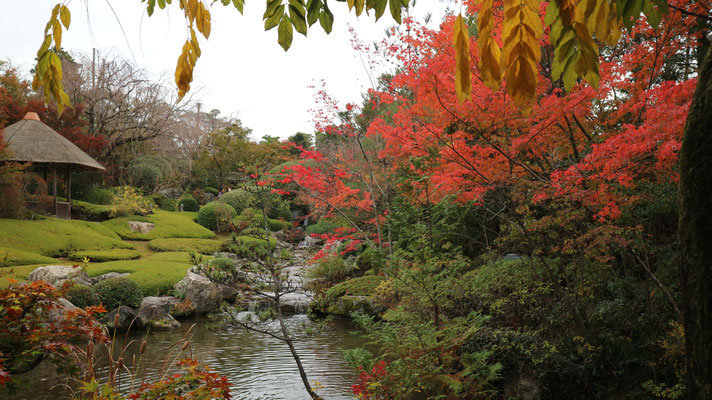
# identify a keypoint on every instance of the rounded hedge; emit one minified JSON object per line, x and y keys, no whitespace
{"x":239,"y":199}
{"x":83,"y":296}
{"x":115,"y":292}
{"x":212,"y":190}
{"x":216,"y":216}
{"x":168,"y":204}
{"x":189,"y":204}
{"x":100,"y":196}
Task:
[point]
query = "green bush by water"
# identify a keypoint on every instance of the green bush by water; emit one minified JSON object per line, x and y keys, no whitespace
{"x":83,"y":296}
{"x":115,"y":292}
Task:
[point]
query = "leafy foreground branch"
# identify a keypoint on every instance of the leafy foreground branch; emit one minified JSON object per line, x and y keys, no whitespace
{"x":36,"y":325}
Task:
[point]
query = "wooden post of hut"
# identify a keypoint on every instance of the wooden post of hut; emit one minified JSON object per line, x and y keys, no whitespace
{"x":31,"y":141}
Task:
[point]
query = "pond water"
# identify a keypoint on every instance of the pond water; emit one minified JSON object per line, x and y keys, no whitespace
{"x":257,"y":366}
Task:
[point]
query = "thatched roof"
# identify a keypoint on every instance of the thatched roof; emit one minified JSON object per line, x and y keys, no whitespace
{"x":32,"y":141}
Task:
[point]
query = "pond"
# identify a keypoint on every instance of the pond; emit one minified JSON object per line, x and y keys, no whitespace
{"x":257,"y":366}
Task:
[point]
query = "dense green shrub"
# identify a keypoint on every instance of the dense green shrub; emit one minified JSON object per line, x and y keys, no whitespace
{"x":83,"y":296}
{"x":361,"y":286}
{"x":248,"y":247}
{"x":252,"y":218}
{"x":168,"y":204}
{"x":128,"y":201}
{"x":324,"y":226}
{"x":91,"y":212}
{"x":147,"y":172}
{"x":332,"y":268}
{"x":212,"y":190}
{"x":157,"y":198}
{"x":369,"y":260}
{"x":189,"y":204}
{"x":99,"y":196}
{"x":216,"y":216}
{"x":115,"y":292}
{"x":223,"y":263}
{"x":239,"y":199}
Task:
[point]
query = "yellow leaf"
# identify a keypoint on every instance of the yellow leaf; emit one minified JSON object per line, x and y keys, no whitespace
{"x":57,"y":34}
{"x":65,"y":16}
{"x":461,"y":42}
{"x":521,"y":52}
{"x":489,"y":50}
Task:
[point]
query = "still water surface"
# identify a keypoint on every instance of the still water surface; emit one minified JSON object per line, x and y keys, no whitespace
{"x":257,"y":366}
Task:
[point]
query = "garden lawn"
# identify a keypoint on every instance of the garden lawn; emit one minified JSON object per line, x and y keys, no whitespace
{"x":98,"y":256}
{"x":202,"y":246}
{"x":169,"y":224}
{"x":40,"y":241}
{"x":155,"y":274}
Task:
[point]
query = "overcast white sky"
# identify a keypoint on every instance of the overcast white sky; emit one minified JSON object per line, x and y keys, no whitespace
{"x":242,"y":72}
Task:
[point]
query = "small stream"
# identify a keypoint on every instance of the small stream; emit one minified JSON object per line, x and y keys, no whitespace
{"x":257,"y":366}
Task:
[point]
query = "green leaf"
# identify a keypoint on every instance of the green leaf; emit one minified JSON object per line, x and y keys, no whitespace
{"x":272,"y":6}
{"x":380,"y":7}
{"x":313,"y":8}
{"x":151,"y":6}
{"x":300,"y":24}
{"x":239,"y":4}
{"x":326,"y":19}
{"x":225,"y":2}
{"x":161,"y":4}
{"x":285,"y":33}
{"x":274,"y":20}
{"x":395,"y":6}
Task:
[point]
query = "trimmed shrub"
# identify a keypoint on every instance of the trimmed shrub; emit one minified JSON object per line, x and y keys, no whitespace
{"x":202,"y":246}
{"x":223,"y":263}
{"x":91,"y":212}
{"x":239,"y":199}
{"x":83,"y":296}
{"x":115,"y":292}
{"x":252,"y":218}
{"x":216,"y":216}
{"x":105,"y":255}
{"x":189,"y":204}
{"x":212,"y":190}
{"x":100,"y":196}
{"x":168,"y":204}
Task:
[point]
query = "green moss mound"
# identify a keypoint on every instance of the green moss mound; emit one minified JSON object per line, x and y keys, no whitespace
{"x":252,"y":218}
{"x":168,"y":225}
{"x":54,"y":238}
{"x":202,"y":246}
{"x":155,"y":274}
{"x":14,"y":257}
{"x":105,"y":255}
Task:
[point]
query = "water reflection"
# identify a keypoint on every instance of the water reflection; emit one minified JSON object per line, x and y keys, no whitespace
{"x":257,"y":366}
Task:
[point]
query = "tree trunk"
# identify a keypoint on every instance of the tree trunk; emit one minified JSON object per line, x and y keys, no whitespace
{"x":695,"y":236}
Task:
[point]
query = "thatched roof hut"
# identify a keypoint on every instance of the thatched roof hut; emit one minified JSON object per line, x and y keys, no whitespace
{"x":29,"y":140}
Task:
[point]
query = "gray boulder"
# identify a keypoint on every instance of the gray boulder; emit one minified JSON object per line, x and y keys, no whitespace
{"x":58,"y":274}
{"x":205,"y":295}
{"x":108,"y":275}
{"x":141,"y":227}
{"x":155,"y":313}
{"x":172,"y":193}
{"x":127,"y":315}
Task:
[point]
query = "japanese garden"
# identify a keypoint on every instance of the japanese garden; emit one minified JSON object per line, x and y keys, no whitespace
{"x":518,"y":207}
